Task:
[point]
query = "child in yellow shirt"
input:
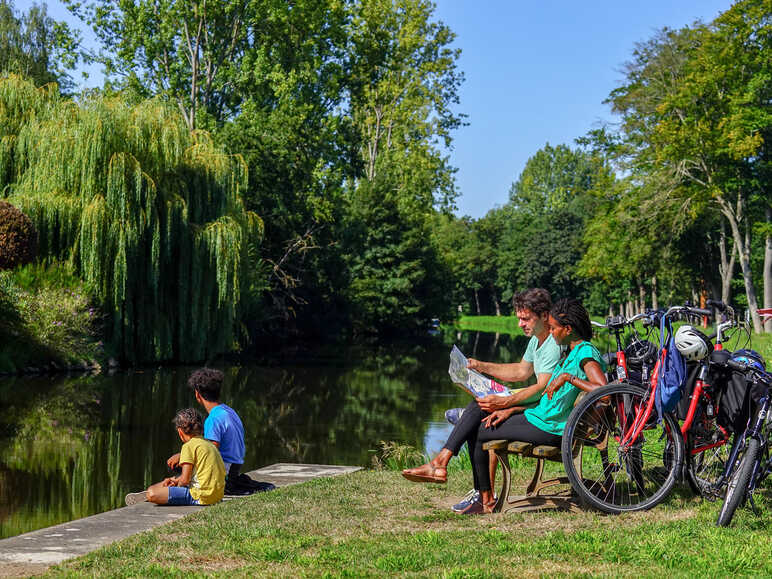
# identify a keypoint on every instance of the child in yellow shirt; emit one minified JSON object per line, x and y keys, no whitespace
{"x":202,"y":481}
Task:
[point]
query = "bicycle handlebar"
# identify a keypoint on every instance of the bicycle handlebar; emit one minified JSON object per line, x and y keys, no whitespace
{"x":764,"y":377}
{"x":718,"y":304}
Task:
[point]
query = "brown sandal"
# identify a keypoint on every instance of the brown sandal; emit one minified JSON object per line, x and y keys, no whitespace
{"x":427,"y":473}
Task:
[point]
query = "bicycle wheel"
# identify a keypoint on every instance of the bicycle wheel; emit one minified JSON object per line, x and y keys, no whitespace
{"x":738,"y":484}
{"x":615,"y":478}
{"x":707,"y":450}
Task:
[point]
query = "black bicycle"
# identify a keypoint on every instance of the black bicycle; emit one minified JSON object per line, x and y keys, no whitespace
{"x":750,"y":458}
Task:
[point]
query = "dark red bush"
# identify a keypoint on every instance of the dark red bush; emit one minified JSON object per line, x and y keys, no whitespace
{"x":18,"y":237}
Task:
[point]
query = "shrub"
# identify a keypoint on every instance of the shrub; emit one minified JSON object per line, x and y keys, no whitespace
{"x":18,"y":237}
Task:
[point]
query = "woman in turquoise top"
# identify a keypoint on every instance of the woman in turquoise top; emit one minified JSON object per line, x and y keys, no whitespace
{"x":580,"y":368}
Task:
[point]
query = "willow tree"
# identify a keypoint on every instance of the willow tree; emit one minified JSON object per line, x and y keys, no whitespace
{"x":148,"y":212}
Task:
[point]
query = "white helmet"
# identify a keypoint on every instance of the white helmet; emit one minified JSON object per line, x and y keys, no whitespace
{"x":692,"y":343}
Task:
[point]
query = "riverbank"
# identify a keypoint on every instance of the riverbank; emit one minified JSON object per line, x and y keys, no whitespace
{"x":31,"y":553}
{"x":375,"y":523}
{"x":48,"y":322}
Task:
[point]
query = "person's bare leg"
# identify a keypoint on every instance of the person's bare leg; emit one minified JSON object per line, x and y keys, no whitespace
{"x":486,"y":498}
{"x":158,"y":494}
{"x":493,"y":462}
{"x":433,"y":471}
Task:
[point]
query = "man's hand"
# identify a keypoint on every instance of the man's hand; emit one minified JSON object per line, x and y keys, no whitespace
{"x":174,"y":460}
{"x":557,"y":384}
{"x":497,"y":417}
{"x":473,"y":364}
{"x":170,"y":482}
{"x":492,"y":402}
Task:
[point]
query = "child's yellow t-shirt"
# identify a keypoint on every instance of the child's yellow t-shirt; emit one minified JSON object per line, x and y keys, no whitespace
{"x":208,"y":483}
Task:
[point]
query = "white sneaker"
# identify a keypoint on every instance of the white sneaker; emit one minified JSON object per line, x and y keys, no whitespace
{"x":134,"y":498}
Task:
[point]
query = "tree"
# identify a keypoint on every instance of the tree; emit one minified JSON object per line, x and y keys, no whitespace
{"x":402,"y":86}
{"x":550,"y":205}
{"x":36,"y":46}
{"x":694,"y":109}
{"x":149,"y":214}
{"x":184,"y":50}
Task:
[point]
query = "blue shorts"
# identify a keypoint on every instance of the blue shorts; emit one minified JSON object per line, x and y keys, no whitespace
{"x":180,"y":496}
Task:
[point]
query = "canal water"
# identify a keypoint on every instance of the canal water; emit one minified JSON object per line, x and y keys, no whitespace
{"x":74,"y":446}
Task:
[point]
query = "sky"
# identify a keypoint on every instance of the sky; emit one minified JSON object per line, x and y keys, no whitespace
{"x":536,"y":72}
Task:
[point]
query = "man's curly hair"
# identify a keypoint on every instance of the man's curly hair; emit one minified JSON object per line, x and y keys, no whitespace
{"x":189,"y":421}
{"x":535,"y":299}
{"x":207,"y":382}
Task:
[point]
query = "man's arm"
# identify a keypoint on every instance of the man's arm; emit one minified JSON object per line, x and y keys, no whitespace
{"x":526,"y":395}
{"x":514,"y":372}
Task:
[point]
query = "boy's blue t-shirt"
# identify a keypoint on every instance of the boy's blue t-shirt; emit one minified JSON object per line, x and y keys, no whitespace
{"x":224,"y":427}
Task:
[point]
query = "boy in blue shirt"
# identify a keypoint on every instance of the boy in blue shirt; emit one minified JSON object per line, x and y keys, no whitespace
{"x":222,"y":426}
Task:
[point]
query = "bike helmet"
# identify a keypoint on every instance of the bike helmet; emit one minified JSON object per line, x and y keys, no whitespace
{"x":693,"y":344}
{"x":750,"y":357}
{"x":639,"y":352}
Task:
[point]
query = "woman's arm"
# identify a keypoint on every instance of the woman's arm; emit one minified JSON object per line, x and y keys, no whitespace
{"x":595,"y":378}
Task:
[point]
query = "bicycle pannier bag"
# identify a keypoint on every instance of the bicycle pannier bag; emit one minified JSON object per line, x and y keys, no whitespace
{"x":672,"y":372}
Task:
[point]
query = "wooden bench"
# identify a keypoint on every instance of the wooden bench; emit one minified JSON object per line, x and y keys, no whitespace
{"x":534,"y":498}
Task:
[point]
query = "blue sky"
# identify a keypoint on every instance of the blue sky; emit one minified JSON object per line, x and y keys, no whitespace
{"x":536,"y":72}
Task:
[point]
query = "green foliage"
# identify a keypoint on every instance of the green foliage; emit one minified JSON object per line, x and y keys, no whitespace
{"x":47,"y":315}
{"x":395,"y":456}
{"x":18,"y":238}
{"x":148,"y":213}
{"x":36,"y":46}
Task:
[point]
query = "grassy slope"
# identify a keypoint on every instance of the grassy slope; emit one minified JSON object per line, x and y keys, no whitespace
{"x":46,"y":315}
{"x":374,"y":523}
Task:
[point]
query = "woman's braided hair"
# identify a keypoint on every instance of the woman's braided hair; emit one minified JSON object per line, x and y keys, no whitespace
{"x":189,"y":421}
{"x":571,"y":312}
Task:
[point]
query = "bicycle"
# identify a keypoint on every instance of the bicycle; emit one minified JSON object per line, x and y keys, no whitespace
{"x":630,"y":459}
{"x":633,"y":362}
{"x":750,"y":460}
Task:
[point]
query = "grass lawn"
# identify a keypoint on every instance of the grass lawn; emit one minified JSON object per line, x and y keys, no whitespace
{"x":375,"y":523}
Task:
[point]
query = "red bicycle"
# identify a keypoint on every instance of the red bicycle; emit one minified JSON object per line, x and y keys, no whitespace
{"x":630,"y":459}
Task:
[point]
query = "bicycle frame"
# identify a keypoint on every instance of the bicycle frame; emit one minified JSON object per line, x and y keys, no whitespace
{"x":701,"y":389}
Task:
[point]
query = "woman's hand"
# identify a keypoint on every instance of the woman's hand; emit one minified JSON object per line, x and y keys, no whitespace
{"x":497,"y":417}
{"x":492,"y":402}
{"x":557,"y":384}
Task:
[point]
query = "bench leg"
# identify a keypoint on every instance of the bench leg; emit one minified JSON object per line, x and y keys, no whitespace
{"x":506,"y":480}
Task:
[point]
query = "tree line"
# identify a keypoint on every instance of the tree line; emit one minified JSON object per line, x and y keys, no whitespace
{"x":254,"y":168}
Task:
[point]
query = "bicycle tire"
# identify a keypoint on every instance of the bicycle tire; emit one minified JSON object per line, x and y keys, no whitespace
{"x":705,"y":468}
{"x":738,"y":484}
{"x":607,"y":477}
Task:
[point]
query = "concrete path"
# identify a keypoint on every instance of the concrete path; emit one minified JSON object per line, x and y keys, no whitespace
{"x":33,"y":552}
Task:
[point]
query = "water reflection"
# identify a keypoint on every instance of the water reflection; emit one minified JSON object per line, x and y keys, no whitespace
{"x":71,"y":447}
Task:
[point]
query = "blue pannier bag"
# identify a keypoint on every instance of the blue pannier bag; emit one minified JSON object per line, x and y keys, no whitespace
{"x":672,"y":372}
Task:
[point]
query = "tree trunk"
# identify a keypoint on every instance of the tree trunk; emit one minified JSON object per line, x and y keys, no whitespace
{"x":477,"y":301}
{"x":735,"y":217}
{"x":768,"y":269}
{"x":641,"y":297}
{"x":496,"y":304}
{"x":726,"y":267}
{"x":654,"y":299}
